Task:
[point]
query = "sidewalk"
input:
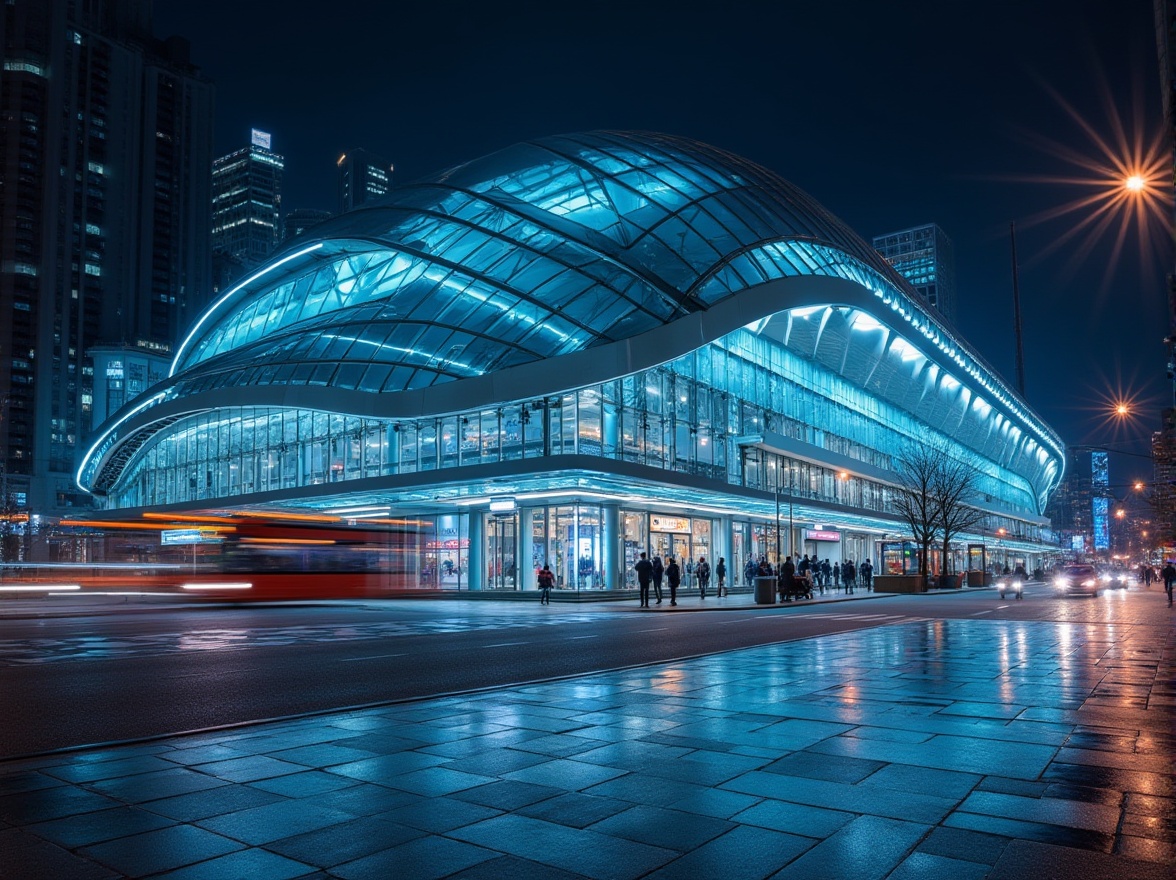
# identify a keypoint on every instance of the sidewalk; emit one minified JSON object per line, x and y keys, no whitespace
{"x":957,"y":749}
{"x":84,"y":605}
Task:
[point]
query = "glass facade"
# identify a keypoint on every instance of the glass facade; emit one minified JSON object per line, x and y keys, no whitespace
{"x":334,"y":377}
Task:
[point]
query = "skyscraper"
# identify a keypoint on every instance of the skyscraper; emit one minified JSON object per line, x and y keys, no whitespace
{"x":363,"y":176}
{"x":247,"y":201}
{"x":105,"y":142}
{"x":924,"y":256}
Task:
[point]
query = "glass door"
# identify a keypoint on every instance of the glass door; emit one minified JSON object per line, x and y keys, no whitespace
{"x":500,"y":553}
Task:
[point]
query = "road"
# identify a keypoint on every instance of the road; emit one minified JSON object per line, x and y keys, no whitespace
{"x":80,"y":679}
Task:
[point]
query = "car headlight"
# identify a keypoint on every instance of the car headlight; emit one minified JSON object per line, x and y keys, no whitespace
{"x":1089,"y":583}
{"x":1061,"y":583}
{"x":1106,"y":579}
{"x":1123,"y":578}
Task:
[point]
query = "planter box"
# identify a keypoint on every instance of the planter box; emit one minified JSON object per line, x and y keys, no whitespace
{"x":899,"y":583}
{"x":978,"y":579}
{"x":949,"y":581}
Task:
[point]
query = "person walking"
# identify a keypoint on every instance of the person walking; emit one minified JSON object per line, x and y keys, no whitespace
{"x":644,"y":569}
{"x":867,"y":573}
{"x":826,"y":575}
{"x":1169,"y":574}
{"x":750,"y":571}
{"x":658,"y":571}
{"x":546,"y":580}
{"x":702,"y":572}
{"x":721,"y":576}
{"x":837,"y":575}
{"x":674,"y":576}
{"x":849,"y":572}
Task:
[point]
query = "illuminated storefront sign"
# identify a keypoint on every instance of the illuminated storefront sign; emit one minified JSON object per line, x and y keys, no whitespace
{"x":822,"y":535}
{"x":669,"y":524}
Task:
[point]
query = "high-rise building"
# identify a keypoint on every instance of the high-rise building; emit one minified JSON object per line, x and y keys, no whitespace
{"x":298,"y":220}
{"x":925,"y":257}
{"x":1080,"y":511}
{"x":105,"y":143}
{"x":247,"y":201}
{"x":363,"y":176}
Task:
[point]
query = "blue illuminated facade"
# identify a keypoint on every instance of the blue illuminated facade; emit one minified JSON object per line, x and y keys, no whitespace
{"x":625,"y":342}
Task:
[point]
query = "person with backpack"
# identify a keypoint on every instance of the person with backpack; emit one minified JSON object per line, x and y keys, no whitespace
{"x":659,"y":571}
{"x":674,"y":576}
{"x":546,"y":580}
{"x":702,"y":572}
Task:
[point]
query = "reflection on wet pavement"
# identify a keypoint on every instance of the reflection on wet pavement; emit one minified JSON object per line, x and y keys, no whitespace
{"x":956,"y":749}
{"x":15,"y":652}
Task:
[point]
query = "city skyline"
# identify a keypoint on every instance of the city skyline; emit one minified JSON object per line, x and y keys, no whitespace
{"x":947,"y":158}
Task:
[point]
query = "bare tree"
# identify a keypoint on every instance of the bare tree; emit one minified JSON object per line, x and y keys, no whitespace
{"x":956,"y":483}
{"x":916,"y":500}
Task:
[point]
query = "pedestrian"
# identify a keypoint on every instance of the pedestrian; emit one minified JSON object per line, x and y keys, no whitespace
{"x":689,"y":571}
{"x":658,"y":571}
{"x":787,"y":576}
{"x":702,"y":570}
{"x":837,"y":575}
{"x":867,"y":573}
{"x":849,"y":572}
{"x":546,"y":579}
{"x":644,"y":569}
{"x":721,"y":576}
{"x":827,"y":575}
{"x":1169,"y":573}
{"x":803,"y":567}
{"x":750,"y":571}
{"x":674,"y":576}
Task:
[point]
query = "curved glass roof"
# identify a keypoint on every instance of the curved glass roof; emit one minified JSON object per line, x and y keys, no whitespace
{"x":538,"y":250}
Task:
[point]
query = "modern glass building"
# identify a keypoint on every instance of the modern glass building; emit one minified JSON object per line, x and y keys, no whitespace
{"x":572,"y":351}
{"x":925,"y":257}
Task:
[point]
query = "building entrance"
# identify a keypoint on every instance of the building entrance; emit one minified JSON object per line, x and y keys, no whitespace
{"x":500,"y":554}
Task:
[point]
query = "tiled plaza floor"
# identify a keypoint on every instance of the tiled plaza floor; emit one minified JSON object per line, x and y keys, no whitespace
{"x":941,"y":749}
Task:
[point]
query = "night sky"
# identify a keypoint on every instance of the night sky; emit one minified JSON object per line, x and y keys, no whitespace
{"x":889,"y":114}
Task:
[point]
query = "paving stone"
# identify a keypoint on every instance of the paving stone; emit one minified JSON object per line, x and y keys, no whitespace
{"x":345,"y":842}
{"x":260,"y":825}
{"x":157,"y":851}
{"x":211,"y":802}
{"x":1042,"y":861}
{"x":574,"y":809}
{"x":925,"y":866}
{"x":743,"y":853}
{"x":579,"y":851}
{"x":868,"y":847}
{"x":425,"y":858}
{"x":962,"y":845}
{"x":855,"y":798}
{"x":72,"y":832}
{"x":246,"y":863}
{"x":28,"y":857}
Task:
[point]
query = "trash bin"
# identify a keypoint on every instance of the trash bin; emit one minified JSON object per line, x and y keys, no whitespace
{"x":765,"y":590}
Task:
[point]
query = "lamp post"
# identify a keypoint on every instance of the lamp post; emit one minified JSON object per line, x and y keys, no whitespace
{"x":779,"y":487}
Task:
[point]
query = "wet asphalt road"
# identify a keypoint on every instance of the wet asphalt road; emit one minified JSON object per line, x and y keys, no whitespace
{"x":74,"y":679}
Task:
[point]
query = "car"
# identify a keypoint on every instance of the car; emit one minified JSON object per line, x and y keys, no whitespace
{"x":1115,"y":578}
{"x":1013,"y":584}
{"x":1077,"y":580}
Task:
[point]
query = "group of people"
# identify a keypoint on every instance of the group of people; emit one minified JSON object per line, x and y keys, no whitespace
{"x":652,"y":572}
{"x":821,"y":573}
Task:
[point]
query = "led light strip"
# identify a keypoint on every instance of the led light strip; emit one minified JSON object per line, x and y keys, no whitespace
{"x":217,"y":586}
{"x":38,"y":588}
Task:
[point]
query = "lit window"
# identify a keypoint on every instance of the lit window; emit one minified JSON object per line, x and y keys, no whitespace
{"x":24,"y":67}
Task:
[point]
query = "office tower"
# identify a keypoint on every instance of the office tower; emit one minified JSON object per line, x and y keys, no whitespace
{"x":363,"y":176}
{"x":924,"y":256}
{"x":105,"y":141}
{"x":299,"y":220}
{"x":247,"y":201}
